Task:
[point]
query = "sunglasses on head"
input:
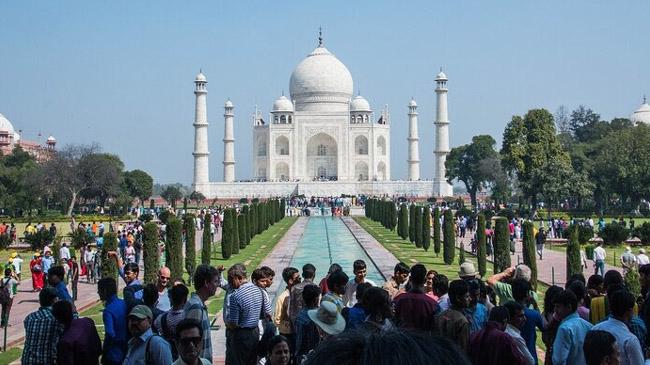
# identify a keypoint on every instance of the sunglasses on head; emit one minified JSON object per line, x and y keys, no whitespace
{"x":196,"y":341}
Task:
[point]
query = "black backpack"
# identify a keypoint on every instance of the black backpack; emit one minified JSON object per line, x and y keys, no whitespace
{"x":129,"y":295}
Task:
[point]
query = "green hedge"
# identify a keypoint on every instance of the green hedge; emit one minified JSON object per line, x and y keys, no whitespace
{"x":189,"y":229}
{"x":573,"y":262}
{"x":426,"y":228}
{"x":481,"y":242}
{"x":449,"y":247}
{"x":109,"y":268}
{"x":501,"y":245}
{"x":206,"y":249}
{"x":529,"y":251}
{"x":150,"y":252}
{"x":436,"y":230}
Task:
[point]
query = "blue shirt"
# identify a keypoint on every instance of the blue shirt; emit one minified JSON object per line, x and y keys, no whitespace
{"x":114,"y":317}
{"x":533,"y":320}
{"x":47,"y":263}
{"x":628,"y":344}
{"x":356,"y":316}
{"x":62,"y":292}
{"x":159,"y":350}
{"x":567,"y":348}
{"x":479,"y":316}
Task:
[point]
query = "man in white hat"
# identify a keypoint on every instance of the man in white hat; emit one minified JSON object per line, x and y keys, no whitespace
{"x":642,"y":258}
{"x":628,"y":259}
{"x":467,"y":271}
{"x":328,"y":320}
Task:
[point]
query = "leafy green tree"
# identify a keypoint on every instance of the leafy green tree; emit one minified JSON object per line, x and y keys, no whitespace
{"x":139,"y":184}
{"x":529,"y":251}
{"x":108,"y":265}
{"x":481,"y":242}
{"x":436,"y":230}
{"x":426,"y":228}
{"x":501,"y":245}
{"x":584,"y":124}
{"x":463,"y":163}
{"x":20,"y":185}
{"x":56,"y":250}
{"x":189,"y":229}
{"x":171,"y":194}
{"x":206,"y":247}
{"x":403,"y":222}
{"x":412,"y":223}
{"x":103,"y":174}
{"x":197,"y":197}
{"x":449,"y":247}
{"x":573,"y":262}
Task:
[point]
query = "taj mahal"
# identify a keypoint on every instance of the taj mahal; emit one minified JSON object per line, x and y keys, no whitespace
{"x":320,"y":141}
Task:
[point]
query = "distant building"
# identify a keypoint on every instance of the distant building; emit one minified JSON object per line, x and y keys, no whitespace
{"x":642,"y":115}
{"x":9,"y":139}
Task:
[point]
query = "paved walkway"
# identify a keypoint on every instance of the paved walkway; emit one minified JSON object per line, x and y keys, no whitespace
{"x":551,"y":270}
{"x":380,"y":256}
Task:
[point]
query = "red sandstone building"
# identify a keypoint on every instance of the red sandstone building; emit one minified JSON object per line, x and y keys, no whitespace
{"x":9,"y":139}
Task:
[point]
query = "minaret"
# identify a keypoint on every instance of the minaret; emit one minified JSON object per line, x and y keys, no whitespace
{"x":201,"y":172}
{"x":414,"y":149}
{"x":440,"y":185}
{"x":228,"y":144}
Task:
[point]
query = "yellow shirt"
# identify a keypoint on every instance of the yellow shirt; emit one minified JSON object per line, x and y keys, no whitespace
{"x":281,"y":314}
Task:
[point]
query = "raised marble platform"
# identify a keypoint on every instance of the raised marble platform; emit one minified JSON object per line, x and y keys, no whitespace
{"x":235,"y":190}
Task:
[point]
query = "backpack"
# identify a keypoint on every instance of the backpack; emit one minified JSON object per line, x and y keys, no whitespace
{"x":5,"y":296}
{"x":129,"y":295}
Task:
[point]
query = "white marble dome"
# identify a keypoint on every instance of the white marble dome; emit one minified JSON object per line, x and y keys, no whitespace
{"x":200,"y":77}
{"x":359,"y":104}
{"x":413,"y":103}
{"x":5,"y":125}
{"x":320,"y":82}
{"x":282,"y":104}
{"x":641,"y":115}
{"x":228,"y":104}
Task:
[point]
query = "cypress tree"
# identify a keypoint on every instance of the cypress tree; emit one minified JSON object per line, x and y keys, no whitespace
{"x":501,"y":245}
{"x":283,"y":208}
{"x":150,"y":252}
{"x":247,"y":225}
{"x":174,"y":248}
{"x":226,"y":236}
{"x":530,"y":258}
{"x":206,"y":246}
{"x":573,"y":264}
{"x":412,"y":223}
{"x":190,"y":244}
{"x":403,"y":223}
{"x":109,"y":268}
{"x":271,"y":212}
{"x":449,"y":247}
{"x":260,"y":218}
{"x":234,"y":249}
{"x":426,"y":228}
{"x":367,"y":207}
{"x":241,"y":226}
{"x":254,"y":217}
{"x":436,"y":230}
{"x":461,"y":252}
{"x":418,"y":227}
{"x":481,"y":249}
{"x":56,"y":250}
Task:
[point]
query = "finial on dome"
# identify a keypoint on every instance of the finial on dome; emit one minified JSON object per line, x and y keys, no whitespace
{"x":320,"y":36}
{"x":644,"y":99}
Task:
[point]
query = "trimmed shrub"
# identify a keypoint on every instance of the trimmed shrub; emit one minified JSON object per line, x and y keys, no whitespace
{"x":206,"y":247}
{"x":241,"y":228}
{"x":247,"y":225}
{"x":227,"y":234}
{"x":412,"y":223}
{"x":164,"y":216}
{"x":80,"y":238}
{"x":481,"y":249}
{"x":426,"y":228}
{"x":614,"y":234}
{"x":643,"y":232}
{"x":632,"y":282}
{"x":449,"y":247}
{"x":436,"y":230}
{"x":529,"y":251}
{"x":461,"y":253}
{"x":109,"y":268}
{"x":501,"y":245}
{"x":174,"y":248}
{"x":189,"y":228}
{"x":234,"y":249}
{"x":39,"y":239}
{"x":254,"y":215}
{"x":403,"y":222}
{"x":585,"y":233}
{"x":150,"y":252}
{"x":573,"y":262}
{"x":418,"y":227}
{"x":56,"y":250}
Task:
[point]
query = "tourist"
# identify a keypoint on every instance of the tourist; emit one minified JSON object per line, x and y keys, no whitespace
{"x":296,"y":302}
{"x":47,"y":261}
{"x":567,"y":347}
{"x":144,"y":346}
{"x":166,"y":323}
{"x":360,"y":272}
{"x":281,"y":318}
{"x":600,"y":348}
{"x":599,"y":259}
{"x":441,"y":291}
{"x":540,"y":239}
{"x":129,"y":253}
{"x":55,"y":277}
{"x":500,"y":282}
{"x":476,"y":310}
{"x":400,"y":275}
{"x":74,"y":276}
{"x":36,"y":268}
{"x":64,"y":252}
{"x":150,"y":298}
{"x":328,"y":320}
{"x":386,"y":348}
{"x":452,"y":323}
{"x":491,"y":345}
{"x":550,"y":321}
{"x":114,"y":318}
{"x":379,"y":309}
{"x":521,"y":292}
{"x":516,"y":320}
{"x":642,"y":258}
{"x":578,"y":288}
{"x":229,"y":285}
{"x":206,"y":281}
{"x":414,"y":310}
{"x":42,"y":331}
{"x":628,"y":260}
{"x":598,"y":308}
{"x":428,"y":285}
{"x":17,"y":262}
{"x":189,"y":343}
{"x":621,"y":304}
{"x":467,"y":271}
{"x":336,"y":283}
{"x":9,"y":287}
{"x":133,"y":291}
{"x":278,"y":352}
{"x":162,"y":281}
{"x":247,"y":305}
{"x":80,"y":343}
{"x":355,"y":316}
{"x":323,"y":283}
{"x":307,"y":336}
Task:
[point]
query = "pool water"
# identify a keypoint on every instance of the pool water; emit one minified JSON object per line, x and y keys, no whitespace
{"x":328,"y":240}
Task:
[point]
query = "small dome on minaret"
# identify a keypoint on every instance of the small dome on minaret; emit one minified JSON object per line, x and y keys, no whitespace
{"x":441,"y":76}
{"x":413,"y":103}
{"x":228,"y":104}
{"x":200,"y":77}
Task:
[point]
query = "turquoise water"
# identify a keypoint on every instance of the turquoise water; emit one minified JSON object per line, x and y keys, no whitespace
{"x":326,"y":241}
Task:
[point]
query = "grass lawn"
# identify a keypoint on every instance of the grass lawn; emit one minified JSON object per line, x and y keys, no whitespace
{"x":613,"y":253}
{"x":406,"y":252}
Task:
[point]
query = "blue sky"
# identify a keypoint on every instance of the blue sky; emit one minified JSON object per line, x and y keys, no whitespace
{"x":120,"y":73}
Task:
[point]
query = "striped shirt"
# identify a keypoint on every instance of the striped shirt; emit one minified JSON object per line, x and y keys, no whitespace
{"x":246,"y":306}
{"x":195,"y":309}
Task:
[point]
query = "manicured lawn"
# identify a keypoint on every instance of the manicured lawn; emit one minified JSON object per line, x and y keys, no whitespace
{"x":11,"y":355}
{"x":613,"y":253}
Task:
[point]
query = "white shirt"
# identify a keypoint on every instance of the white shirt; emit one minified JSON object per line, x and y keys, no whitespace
{"x":17,"y":261}
{"x":628,"y":345}
{"x":163,"y":301}
{"x":599,"y":253}
{"x":515,"y":333}
{"x":350,"y":296}
{"x":65,"y":253}
{"x":642,"y":259}
{"x":88,"y":255}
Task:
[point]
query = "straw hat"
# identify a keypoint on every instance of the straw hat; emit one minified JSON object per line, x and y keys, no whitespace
{"x":37,"y":254}
{"x":328,"y":318}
